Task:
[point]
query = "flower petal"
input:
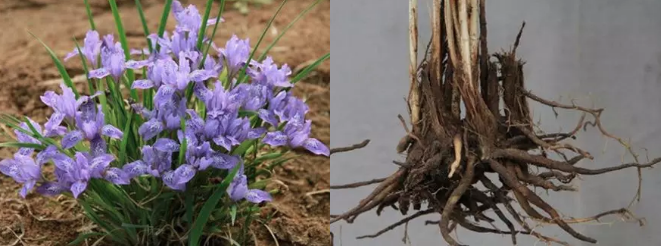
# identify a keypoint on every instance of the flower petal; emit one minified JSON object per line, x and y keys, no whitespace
{"x":99,"y":164}
{"x":275,"y":139}
{"x":142,"y":84}
{"x":166,"y":145}
{"x":98,"y":73}
{"x":117,"y":176}
{"x":131,"y":64}
{"x":112,"y":132}
{"x":78,"y":187}
{"x":258,"y":196}
{"x":135,"y":168}
{"x":71,"y":139}
{"x":202,"y":75}
{"x":150,"y":129}
{"x":223,"y":161}
{"x":316,"y":147}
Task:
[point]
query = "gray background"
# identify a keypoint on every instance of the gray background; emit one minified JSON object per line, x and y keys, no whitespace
{"x":603,"y":53}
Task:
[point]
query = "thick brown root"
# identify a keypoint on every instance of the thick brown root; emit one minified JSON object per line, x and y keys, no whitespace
{"x":449,"y":154}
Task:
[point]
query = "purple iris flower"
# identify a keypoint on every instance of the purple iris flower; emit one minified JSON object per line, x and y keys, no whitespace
{"x":238,"y":190}
{"x":65,"y":104}
{"x":296,"y":134}
{"x":73,"y":175}
{"x":91,"y":48}
{"x":22,"y":137}
{"x":189,"y":19}
{"x":91,"y":125}
{"x":154,"y":162}
{"x":113,"y":61}
{"x":267,"y":73}
{"x":178,"y":178}
{"x":170,"y":77}
{"x":235,"y":54}
{"x":23,"y":169}
{"x":254,"y":96}
{"x":285,"y":106}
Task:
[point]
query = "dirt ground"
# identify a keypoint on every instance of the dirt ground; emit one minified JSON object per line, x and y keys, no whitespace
{"x":25,"y":69}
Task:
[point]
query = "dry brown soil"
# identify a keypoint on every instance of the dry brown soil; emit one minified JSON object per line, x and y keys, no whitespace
{"x":26,"y":69}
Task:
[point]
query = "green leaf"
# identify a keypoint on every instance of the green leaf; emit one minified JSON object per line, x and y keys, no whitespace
{"x":243,"y":147}
{"x":242,"y":78}
{"x":60,"y":67}
{"x":309,"y":69}
{"x":213,"y":33}
{"x":164,"y":20}
{"x":203,"y":27}
{"x":125,"y":139}
{"x":22,"y":145}
{"x":144,"y":24}
{"x":125,"y":46}
{"x":282,"y":33}
{"x":209,"y":205}
{"x":89,"y":15}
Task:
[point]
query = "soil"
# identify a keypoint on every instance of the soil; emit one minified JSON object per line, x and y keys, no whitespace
{"x":26,"y":72}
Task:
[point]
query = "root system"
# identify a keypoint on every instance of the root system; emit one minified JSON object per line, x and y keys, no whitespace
{"x":463,"y":162}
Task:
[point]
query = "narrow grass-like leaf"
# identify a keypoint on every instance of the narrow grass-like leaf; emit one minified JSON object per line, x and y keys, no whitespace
{"x":213,"y":33}
{"x":89,"y":14}
{"x":309,"y":69}
{"x":60,"y":67}
{"x":242,"y":77}
{"x":125,"y":139}
{"x":284,"y":30}
{"x":144,"y":24}
{"x":164,"y":20}
{"x":209,"y":205}
{"x":203,"y":27}
{"x":125,"y":45}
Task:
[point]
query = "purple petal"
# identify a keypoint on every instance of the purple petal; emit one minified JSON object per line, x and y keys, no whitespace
{"x":268,"y":116}
{"x":202,"y":92}
{"x":99,"y":164}
{"x":9,"y":167}
{"x":169,"y":179}
{"x":71,"y":54}
{"x":135,"y":169}
{"x":238,"y":188}
{"x":275,"y":139}
{"x":112,"y":132}
{"x":224,"y":142}
{"x":117,"y":176}
{"x":150,"y":129}
{"x":223,"y":161}
{"x":46,"y":154}
{"x":316,"y":147}
{"x":202,"y":75}
{"x":71,"y":139}
{"x":142,"y":84}
{"x":164,"y":95}
{"x":51,"y":189}
{"x":184,"y":173}
{"x":166,"y":145}
{"x":27,"y":187}
{"x":258,"y":196}
{"x":137,"y":64}
{"x":256,"y":133}
{"x":78,"y":187}
{"x":98,"y":146}
{"x":98,"y":73}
